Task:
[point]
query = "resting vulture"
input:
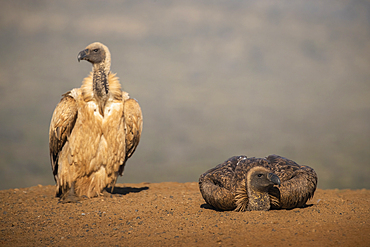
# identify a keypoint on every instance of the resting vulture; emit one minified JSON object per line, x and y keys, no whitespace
{"x":93,"y":131}
{"x":249,"y":184}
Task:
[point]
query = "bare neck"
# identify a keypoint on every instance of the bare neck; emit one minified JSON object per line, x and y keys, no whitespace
{"x":101,"y":85}
{"x":258,"y":200}
{"x":100,"y":81}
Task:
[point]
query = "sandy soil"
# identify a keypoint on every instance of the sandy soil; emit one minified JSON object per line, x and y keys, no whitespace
{"x":174,"y":214}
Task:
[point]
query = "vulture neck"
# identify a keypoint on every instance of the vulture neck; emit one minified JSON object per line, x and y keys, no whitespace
{"x":101,"y":85}
{"x":258,"y":200}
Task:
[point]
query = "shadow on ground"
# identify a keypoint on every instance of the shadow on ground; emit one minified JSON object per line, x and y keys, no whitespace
{"x":127,"y":190}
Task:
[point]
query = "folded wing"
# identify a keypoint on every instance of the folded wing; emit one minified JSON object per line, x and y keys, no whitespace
{"x":62,"y":123}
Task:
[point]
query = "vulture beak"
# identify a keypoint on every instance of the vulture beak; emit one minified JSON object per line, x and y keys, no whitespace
{"x":274,"y":178}
{"x":82,"y":55}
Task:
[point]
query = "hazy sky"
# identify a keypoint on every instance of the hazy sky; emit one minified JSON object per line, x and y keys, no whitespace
{"x":214,"y":79}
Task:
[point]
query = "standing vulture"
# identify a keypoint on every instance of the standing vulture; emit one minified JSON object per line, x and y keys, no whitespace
{"x":93,"y":131}
{"x":249,"y":184}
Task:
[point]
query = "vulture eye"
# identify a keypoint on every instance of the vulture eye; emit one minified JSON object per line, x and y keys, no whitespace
{"x":95,"y":50}
{"x":259,"y":175}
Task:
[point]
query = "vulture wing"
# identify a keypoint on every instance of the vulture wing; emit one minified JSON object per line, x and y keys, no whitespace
{"x":298,"y":183}
{"x":218,"y":185}
{"x":62,"y":123}
{"x":133,"y":127}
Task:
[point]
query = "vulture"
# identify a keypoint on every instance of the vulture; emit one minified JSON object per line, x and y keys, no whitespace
{"x":93,"y":131}
{"x":258,"y":184}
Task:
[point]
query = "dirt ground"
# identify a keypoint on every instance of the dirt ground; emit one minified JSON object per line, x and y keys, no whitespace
{"x":175,"y":214}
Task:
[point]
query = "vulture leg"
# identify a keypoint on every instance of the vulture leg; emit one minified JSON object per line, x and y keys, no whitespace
{"x":70,"y":195}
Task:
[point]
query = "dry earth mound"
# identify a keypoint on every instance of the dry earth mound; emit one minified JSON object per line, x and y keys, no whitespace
{"x":175,"y":214}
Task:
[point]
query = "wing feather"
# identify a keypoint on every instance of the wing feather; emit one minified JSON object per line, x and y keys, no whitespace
{"x":61,"y":125}
{"x":133,"y":127}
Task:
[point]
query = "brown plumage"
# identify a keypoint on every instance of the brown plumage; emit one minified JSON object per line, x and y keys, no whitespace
{"x":93,"y":131}
{"x":246,"y":184}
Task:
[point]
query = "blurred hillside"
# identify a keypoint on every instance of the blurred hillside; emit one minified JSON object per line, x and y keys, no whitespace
{"x":214,"y":79}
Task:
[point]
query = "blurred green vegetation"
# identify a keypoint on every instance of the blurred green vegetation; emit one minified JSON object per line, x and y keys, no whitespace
{"x":214,"y":79}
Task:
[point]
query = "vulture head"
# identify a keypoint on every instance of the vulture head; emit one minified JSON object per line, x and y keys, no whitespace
{"x":261,"y":179}
{"x":255,"y":195}
{"x":97,"y":54}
